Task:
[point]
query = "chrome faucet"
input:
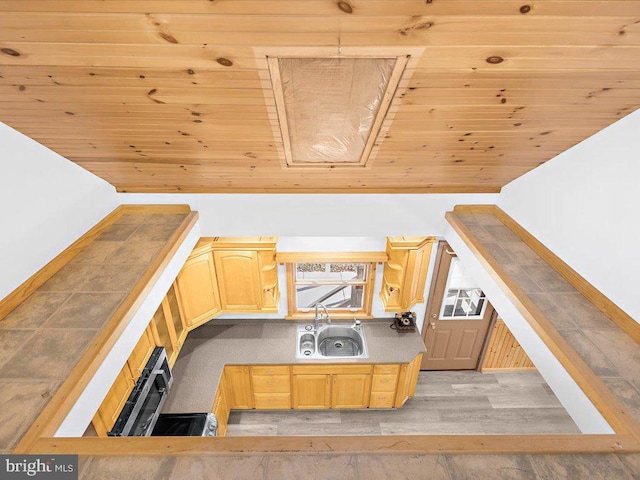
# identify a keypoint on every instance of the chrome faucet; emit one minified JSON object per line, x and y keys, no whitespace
{"x":320,"y":317}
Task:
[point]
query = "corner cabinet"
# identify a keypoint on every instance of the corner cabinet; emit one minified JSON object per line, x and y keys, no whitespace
{"x":198,"y":288}
{"x":247,"y":274}
{"x":314,"y":387}
{"x":238,"y":280}
{"x":228,"y":275}
{"x":405,"y":272}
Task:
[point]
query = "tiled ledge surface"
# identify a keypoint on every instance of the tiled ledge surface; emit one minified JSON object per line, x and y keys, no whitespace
{"x":612,"y":355}
{"x":43,"y":339}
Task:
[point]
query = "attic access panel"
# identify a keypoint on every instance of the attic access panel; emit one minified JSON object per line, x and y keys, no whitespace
{"x":330,"y":110}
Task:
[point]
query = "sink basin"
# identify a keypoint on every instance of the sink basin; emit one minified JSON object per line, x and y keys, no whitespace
{"x":340,"y":342}
{"x":331,"y":341}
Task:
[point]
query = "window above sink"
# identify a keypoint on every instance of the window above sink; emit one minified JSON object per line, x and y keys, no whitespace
{"x":345,"y":288}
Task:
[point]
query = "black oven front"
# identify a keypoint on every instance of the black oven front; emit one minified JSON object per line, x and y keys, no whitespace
{"x":140,"y":412}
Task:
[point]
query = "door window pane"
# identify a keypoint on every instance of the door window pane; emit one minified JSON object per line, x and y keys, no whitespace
{"x":462,"y":298}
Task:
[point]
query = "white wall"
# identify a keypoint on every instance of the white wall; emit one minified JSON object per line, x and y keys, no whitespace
{"x":584,"y":205}
{"x":318,"y":215}
{"x":46,"y":203}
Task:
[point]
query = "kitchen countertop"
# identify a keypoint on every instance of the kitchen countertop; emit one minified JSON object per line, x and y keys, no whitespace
{"x":209,"y":348}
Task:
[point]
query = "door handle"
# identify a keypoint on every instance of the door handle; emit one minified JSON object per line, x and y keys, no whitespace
{"x":433,"y":315}
{"x":433,"y":325}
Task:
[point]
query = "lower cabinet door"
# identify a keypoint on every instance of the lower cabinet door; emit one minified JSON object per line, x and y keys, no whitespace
{"x":113,"y":403}
{"x":221,"y":409}
{"x":404,"y":385}
{"x":311,"y":391}
{"x":238,"y":381}
{"x":351,"y":390}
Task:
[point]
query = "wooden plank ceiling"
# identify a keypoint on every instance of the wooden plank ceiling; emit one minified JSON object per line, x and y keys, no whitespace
{"x":138,"y":91}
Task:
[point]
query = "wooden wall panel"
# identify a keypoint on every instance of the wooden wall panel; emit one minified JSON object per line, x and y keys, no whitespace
{"x":133,"y":91}
{"x":504,"y":352}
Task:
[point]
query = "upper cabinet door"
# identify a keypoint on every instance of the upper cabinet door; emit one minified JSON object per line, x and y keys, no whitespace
{"x":198,"y":290}
{"x":141,"y":352}
{"x":405,"y":273}
{"x":238,"y":280}
{"x":176,"y":315}
{"x":417,"y":275}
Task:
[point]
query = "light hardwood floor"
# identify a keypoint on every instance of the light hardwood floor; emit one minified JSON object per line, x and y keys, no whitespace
{"x":445,"y":403}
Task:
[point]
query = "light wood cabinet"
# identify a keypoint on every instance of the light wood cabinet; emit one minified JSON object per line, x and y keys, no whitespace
{"x":172,"y":310}
{"x":271,"y":387}
{"x":313,"y":387}
{"x":331,"y":386}
{"x":268,"y":270}
{"x":221,"y":407}
{"x":198,"y":288}
{"x":122,"y":386}
{"x":113,"y":403}
{"x":166,"y":329}
{"x":350,"y":390}
{"x":238,"y":383}
{"x":164,"y":334}
{"x":228,"y":274}
{"x":311,"y":391}
{"x":141,"y":353}
{"x":405,"y":272}
{"x":384,"y":385}
{"x":407,"y":381}
{"x":238,"y":281}
{"x":247,"y":273}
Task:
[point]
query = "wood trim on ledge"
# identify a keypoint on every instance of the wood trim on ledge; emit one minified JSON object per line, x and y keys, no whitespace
{"x":591,"y":293}
{"x":473,"y":188}
{"x":614,"y":412}
{"x":156,"y":208}
{"x":64,"y":399}
{"x":379,"y":444}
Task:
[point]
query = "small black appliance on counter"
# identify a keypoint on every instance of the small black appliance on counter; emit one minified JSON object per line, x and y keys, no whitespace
{"x":404,"y":322}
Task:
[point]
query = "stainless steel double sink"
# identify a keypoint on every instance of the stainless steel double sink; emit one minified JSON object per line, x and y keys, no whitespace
{"x":331,"y":342}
